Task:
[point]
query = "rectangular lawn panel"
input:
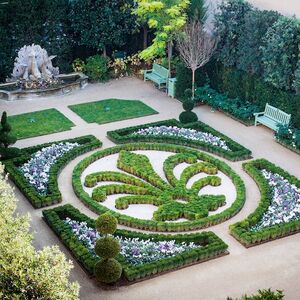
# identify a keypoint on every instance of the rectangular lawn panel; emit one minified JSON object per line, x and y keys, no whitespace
{"x":39,"y":123}
{"x":111,"y":110}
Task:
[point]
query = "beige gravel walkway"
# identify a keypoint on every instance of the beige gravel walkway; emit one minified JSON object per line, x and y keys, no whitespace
{"x":275,"y":264}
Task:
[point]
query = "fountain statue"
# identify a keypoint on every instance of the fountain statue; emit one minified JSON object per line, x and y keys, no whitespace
{"x":34,"y":75}
{"x":33,"y":63}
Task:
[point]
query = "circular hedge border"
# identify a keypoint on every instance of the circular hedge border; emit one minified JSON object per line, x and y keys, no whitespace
{"x":160,"y":225}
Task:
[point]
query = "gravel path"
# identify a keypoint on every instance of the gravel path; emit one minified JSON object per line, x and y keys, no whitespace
{"x":274,"y":264}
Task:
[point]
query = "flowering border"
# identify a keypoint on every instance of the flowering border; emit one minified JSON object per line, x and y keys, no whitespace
{"x":238,"y":152}
{"x":242,"y":230}
{"x":86,"y":143}
{"x":160,"y":225}
{"x":211,"y":246}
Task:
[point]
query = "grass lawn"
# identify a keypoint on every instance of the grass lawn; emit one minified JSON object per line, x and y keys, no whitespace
{"x":111,"y":110}
{"x":39,"y":123}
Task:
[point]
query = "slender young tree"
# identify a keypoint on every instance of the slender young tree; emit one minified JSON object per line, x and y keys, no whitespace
{"x":196,"y":48}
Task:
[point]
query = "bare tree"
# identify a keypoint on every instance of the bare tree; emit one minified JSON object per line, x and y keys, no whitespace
{"x":196,"y":47}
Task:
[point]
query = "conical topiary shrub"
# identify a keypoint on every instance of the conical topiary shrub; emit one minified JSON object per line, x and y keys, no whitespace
{"x":107,"y":269}
{"x":188,"y":116}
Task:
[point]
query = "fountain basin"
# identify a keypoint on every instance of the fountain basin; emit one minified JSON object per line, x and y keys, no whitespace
{"x":73,"y":81}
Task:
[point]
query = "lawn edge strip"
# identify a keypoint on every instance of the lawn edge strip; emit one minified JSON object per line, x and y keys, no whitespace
{"x":87,"y":143}
{"x":239,"y":152}
{"x":213,"y":247}
{"x":152,"y":225}
{"x":241,"y":230}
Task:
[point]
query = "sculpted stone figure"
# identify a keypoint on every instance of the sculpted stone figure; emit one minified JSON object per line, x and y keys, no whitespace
{"x":33,"y":63}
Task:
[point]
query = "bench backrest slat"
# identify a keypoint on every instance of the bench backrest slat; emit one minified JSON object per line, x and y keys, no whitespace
{"x":277,"y":114}
{"x":160,"y":70}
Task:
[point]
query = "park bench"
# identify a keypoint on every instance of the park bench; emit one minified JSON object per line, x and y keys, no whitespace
{"x":272,"y":117}
{"x":157,"y":74}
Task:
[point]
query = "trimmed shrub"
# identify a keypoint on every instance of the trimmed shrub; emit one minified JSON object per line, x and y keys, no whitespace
{"x":107,"y":247}
{"x":106,"y":224}
{"x":188,"y":105}
{"x":188,"y":117}
{"x":97,"y":68}
{"x":108,"y":270}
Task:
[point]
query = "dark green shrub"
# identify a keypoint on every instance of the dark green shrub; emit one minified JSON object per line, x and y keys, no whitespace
{"x":8,"y":153}
{"x":107,"y":247}
{"x":188,"y":105}
{"x":264,"y":295}
{"x":106,"y":224}
{"x":97,"y":68}
{"x":188,"y":117}
{"x":6,"y":138}
{"x":108,"y":270}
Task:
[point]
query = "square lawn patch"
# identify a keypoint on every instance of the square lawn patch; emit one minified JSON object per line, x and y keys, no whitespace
{"x":39,"y":123}
{"x":111,"y":110}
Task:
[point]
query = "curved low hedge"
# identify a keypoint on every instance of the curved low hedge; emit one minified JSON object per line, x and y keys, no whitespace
{"x":238,"y":152}
{"x":211,"y":246}
{"x":241,"y":230}
{"x":194,"y":222}
{"x":87,"y":143}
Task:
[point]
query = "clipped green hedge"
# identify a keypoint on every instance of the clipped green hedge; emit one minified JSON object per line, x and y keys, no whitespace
{"x":241,"y":230}
{"x":152,"y":224}
{"x":238,"y":152}
{"x":87,"y":143}
{"x":211,"y":246}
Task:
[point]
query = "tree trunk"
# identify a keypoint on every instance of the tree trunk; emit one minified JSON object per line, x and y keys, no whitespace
{"x":170,"y":53}
{"x":193,"y":83}
{"x":145,"y":41}
{"x":104,"y":52}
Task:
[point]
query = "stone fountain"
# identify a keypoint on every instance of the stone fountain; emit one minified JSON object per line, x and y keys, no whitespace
{"x":34,"y":75}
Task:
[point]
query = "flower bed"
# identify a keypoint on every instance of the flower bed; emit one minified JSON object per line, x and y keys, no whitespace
{"x":278,"y":213}
{"x":196,"y":135}
{"x":35,"y":172}
{"x":289,"y":138}
{"x":190,"y":248}
{"x":145,"y":186}
{"x":37,"y":169}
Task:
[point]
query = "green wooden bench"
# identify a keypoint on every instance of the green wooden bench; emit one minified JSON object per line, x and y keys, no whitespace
{"x":157,"y":74}
{"x":272,"y":117}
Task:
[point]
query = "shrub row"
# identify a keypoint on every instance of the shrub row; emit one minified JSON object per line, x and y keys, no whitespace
{"x":240,"y":109}
{"x":211,"y":245}
{"x":238,"y":152}
{"x":87,"y":143}
{"x":241,"y":230}
{"x":157,"y":225}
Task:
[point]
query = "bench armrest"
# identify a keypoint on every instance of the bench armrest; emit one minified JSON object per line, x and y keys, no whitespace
{"x":148,"y":71}
{"x":258,"y":114}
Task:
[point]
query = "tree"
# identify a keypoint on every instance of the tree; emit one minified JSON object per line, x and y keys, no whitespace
{"x":229,"y":27}
{"x":280,"y":52}
{"x":197,"y":11}
{"x":6,"y":138}
{"x":100,"y":24}
{"x":167,"y":17}
{"x":25,"y":272}
{"x":196,"y":48}
{"x":257,"y":22}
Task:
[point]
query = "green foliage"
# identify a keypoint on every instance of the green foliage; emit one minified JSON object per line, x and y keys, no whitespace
{"x":242,"y":230}
{"x":188,"y":117}
{"x":257,"y":22}
{"x":230,"y":23}
{"x":102,"y":24}
{"x":264,"y":295}
{"x":107,"y":247}
{"x":8,"y":153}
{"x":188,"y":105}
{"x":210,"y":245}
{"x":288,"y":136}
{"x":124,"y":135}
{"x":25,"y":272}
{"x":97,"y":67}
{"x":280,"y":52}
{"x":106,"y":224}
{"x":197,"y":10}
{"x":108,"y":270}
{"x":167,"y":193}
{"x":86,"y":143}
{"x":6,"y":138}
